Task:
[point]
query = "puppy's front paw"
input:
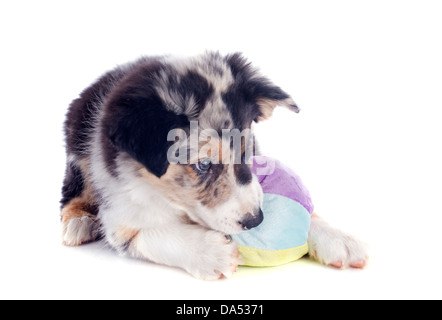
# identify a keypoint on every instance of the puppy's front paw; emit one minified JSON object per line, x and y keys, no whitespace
{"x":218,"y":257}
{"x":333,"y":247}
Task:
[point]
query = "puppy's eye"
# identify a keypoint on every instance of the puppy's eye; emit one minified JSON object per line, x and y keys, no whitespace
{"x":203,"y":165}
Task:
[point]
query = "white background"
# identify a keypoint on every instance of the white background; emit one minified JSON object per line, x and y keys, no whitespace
{"x":366,"y":74}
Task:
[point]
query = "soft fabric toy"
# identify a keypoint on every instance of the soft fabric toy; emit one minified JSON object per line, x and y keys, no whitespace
{"x":287,"y":207}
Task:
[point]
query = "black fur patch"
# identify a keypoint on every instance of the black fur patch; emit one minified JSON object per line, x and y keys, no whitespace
{"x":82,"y":112}
{"x":242,"y":97}
{"x":73,"y":184}
{"x":137,"y":122}
{"x":243,"y":174}
{"x":242,"y":110}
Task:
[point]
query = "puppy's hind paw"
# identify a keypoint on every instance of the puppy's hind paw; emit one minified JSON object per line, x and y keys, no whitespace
{"x":77,"y":231}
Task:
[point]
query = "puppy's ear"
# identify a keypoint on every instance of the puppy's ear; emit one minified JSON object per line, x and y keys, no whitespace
{"x":270,"y":97}
{"x":138,"y":124}
{"x":257,"y":89}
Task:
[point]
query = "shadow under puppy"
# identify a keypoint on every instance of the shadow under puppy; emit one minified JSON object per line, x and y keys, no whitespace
{"x":121,"y":184}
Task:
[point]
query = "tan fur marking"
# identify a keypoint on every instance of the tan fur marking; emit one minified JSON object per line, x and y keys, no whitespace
{"x":187,"y":196}
{"x":220,"y":193}
{"x":126,"y":235}
{"x":171,"y":188}
{"x":268,"y":105}
{"x":76,"y":208}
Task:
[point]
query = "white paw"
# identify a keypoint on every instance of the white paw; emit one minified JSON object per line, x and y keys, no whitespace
{"x":217,"y":257}
{"x":77,"y":231}
{"x":333,"y":247}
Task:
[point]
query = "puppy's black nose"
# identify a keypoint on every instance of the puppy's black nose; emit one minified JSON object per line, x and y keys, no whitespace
{"x":252,"y":220}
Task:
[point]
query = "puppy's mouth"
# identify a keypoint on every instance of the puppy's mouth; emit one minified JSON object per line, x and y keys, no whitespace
{"x":229,"y":227}
{"x":247,"y":222}
{"x":252,"y":220}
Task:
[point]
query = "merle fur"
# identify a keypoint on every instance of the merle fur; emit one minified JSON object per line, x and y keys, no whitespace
{"x":135,"y":120}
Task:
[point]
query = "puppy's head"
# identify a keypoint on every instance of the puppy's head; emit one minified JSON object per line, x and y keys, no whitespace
{"x":187,"y":123}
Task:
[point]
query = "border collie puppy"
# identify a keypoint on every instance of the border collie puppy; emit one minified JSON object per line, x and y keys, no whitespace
{"x":121,"y":182}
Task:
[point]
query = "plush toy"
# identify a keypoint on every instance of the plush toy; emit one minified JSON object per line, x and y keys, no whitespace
{"x":287,"y":207}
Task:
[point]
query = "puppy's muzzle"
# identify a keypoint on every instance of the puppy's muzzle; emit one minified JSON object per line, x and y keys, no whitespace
{"x":252,"y":220}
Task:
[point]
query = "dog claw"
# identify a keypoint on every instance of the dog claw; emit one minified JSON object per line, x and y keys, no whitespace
{"x":336,"y":264}
{"x":358,"y":264}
